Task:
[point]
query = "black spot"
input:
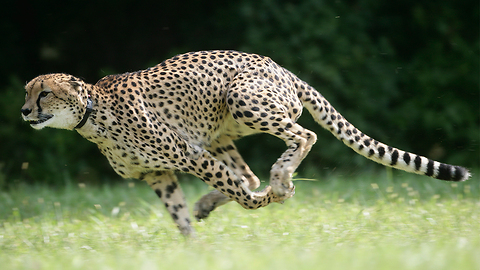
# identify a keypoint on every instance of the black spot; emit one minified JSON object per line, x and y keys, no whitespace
{"x":366,"y":142}
{"x":158,"y":192}
{"x":406,"y":158}
{"x":247,"y":114}
{"x":205,"y":164}
{"x":381,"y":152}
{"x":218,"y":175}
{"x":171,"y":188}
{"x":418,"y":162}
{"x":444,"y":172}
{"x":394,"y":158}
{"x":429,"y":168}
{"x":459,"y":173}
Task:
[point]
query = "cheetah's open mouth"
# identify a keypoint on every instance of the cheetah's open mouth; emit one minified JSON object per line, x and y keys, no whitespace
{"x":42,"y":119}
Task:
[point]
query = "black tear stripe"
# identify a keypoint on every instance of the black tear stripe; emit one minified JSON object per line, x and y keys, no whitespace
{"x":430,"y":168}
{"x":39,"y":108}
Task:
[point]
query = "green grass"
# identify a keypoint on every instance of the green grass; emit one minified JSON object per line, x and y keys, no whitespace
{"x":368,"y":222}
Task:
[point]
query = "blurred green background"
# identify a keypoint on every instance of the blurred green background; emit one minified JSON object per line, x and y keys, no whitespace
{"x":405,"y":72}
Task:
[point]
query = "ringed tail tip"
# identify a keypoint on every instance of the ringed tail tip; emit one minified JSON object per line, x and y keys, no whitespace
{"x":453,"y":173}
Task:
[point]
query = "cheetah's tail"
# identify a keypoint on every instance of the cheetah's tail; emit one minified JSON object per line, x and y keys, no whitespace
{"x":330,"y":119}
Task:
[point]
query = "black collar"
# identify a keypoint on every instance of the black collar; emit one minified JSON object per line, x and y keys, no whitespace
{"x":88,"y":111}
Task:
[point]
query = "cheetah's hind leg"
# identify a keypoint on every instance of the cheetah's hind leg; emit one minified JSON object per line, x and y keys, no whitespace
{"x":274,"y":113}
{"x":216,"y":174}
{"x":224,"y":150}
{"x":299,"y":142}
{"x":166,"y":186}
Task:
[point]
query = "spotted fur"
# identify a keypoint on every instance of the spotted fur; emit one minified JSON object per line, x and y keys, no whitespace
{"x":183,"y":115}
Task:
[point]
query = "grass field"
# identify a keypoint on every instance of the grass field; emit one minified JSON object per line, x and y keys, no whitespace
{"x":368,"y":222}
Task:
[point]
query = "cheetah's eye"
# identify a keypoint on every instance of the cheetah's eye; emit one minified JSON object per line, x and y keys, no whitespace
{"x":44,"y":94}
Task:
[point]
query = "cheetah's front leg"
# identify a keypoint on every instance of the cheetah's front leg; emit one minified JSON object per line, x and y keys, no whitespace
{"x":166,"y":186}
{"x":224,"y":150}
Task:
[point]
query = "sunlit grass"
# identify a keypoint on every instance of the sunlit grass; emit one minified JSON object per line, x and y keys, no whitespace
{"x":368,"y":222}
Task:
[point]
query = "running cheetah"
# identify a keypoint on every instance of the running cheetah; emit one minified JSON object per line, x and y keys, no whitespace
{"x":184,"y":114}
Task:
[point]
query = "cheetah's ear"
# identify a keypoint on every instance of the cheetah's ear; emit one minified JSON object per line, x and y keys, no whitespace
{"x":71,"y":89}
{"x":77,"y":84}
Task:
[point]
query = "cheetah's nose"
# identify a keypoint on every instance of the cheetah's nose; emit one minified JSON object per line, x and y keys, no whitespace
{"x":26,"y":111}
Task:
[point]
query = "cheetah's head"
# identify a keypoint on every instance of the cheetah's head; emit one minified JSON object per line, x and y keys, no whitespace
{"x":55,"y":100}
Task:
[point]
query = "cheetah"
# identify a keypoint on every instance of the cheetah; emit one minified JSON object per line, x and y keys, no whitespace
{"x":183,"y":115}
